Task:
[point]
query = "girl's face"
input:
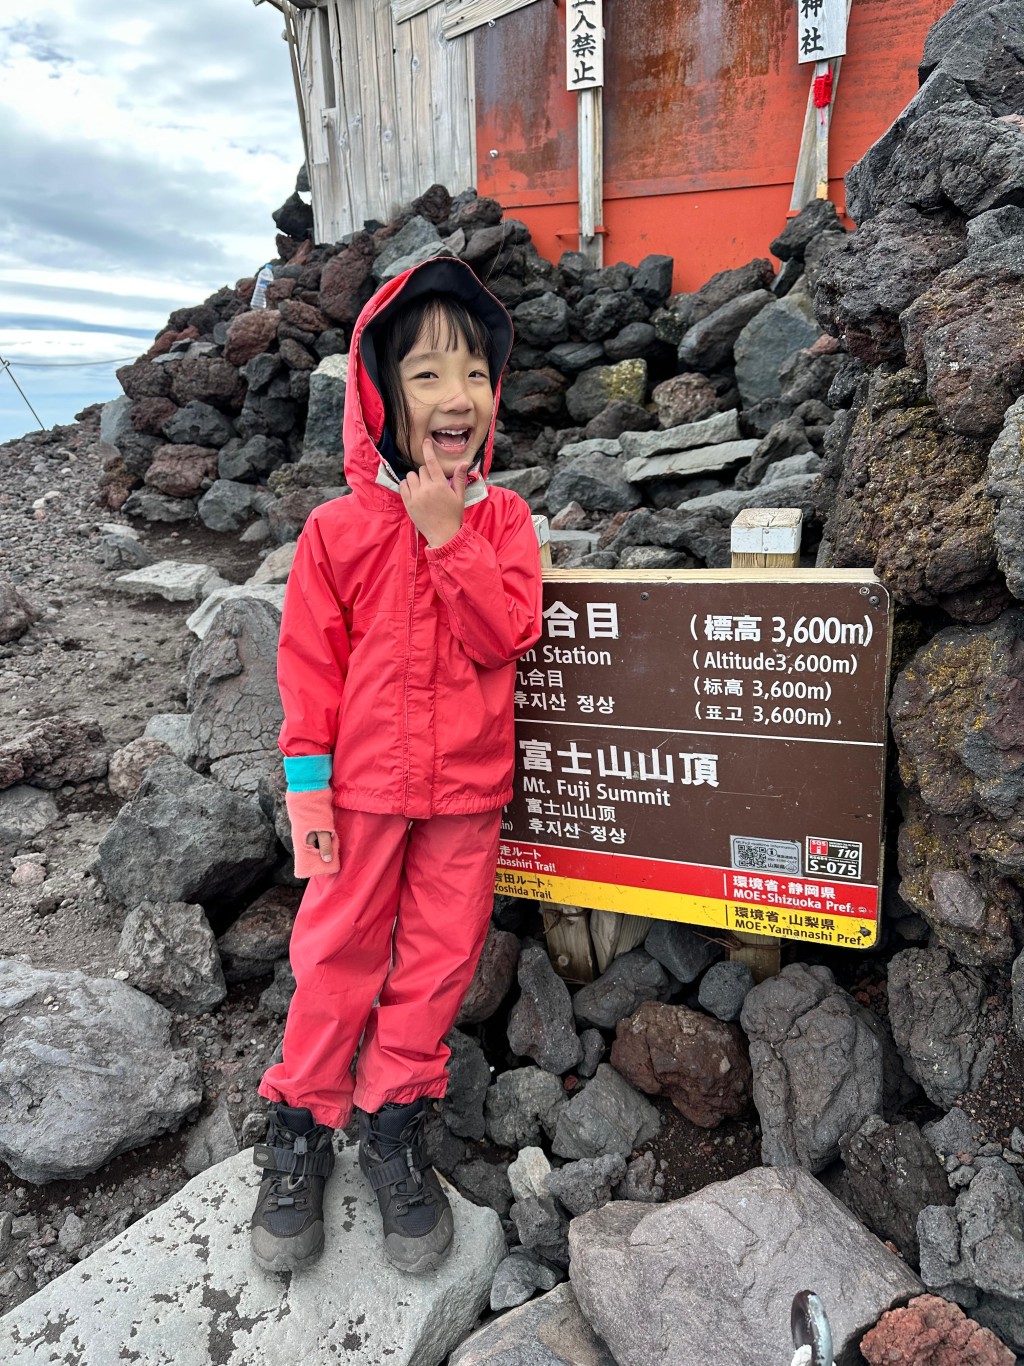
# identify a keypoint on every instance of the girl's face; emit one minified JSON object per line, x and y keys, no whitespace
{"x":448,"y":398}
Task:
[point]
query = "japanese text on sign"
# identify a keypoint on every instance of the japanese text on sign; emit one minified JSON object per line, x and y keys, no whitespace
{"x":584,"y":45}
{"x":711,"y":752}
{"x":821,"y":29}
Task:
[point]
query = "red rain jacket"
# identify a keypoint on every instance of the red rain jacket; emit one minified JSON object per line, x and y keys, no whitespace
{"x":396,"y":658}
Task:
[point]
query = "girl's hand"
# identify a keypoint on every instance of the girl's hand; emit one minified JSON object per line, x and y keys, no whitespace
{"x":322,"y":840}
{"x":435,"y":506}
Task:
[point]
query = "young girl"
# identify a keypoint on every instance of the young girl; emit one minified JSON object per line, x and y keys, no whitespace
{"x":407,"y":606}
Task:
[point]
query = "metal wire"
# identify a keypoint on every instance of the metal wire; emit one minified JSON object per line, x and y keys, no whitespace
{"x":4,"y":365}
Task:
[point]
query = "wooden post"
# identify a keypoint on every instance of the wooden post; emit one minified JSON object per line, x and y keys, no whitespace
{"x":764,"y":538}
{"x":811,"y":178}
{"x":590,"y":121}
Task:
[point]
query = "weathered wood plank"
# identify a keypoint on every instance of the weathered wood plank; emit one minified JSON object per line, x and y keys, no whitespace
{"x":387,"y":107}
{"x":461,"y":16}
{"x":421,"y":111}
{"x":351,"y":62}
{"x":451,"y":105}
{"x":404,"y":10}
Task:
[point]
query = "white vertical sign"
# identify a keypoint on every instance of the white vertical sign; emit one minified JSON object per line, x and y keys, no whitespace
{"x":821,"y":29}
{"x":584,"y":45}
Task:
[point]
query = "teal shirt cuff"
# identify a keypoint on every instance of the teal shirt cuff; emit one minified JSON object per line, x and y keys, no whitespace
{"x":308,"y":772}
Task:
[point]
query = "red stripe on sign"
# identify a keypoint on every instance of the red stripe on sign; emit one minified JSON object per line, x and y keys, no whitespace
{"x":687,"y":879}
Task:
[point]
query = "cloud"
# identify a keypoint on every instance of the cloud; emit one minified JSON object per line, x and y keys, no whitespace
{"x":157,"y":145}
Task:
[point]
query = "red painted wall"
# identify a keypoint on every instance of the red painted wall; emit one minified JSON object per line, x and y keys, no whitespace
{"x":704,"y":105}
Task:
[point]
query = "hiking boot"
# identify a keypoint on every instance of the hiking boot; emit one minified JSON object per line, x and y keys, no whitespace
{"x":418,"y":1225}
{"x":287,"y":1227}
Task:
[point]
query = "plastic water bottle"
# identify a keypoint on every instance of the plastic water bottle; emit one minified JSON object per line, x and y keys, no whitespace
{"x":259,"y":294}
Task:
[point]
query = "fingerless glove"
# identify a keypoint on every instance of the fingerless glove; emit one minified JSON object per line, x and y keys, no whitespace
{"x":312,"y":811}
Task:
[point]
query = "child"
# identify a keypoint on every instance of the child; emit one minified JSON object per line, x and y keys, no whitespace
{"x":408,"y":603}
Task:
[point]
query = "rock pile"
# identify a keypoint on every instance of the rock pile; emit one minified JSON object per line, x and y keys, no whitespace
{"x":875,"y":382}
{"x":620,"y":397}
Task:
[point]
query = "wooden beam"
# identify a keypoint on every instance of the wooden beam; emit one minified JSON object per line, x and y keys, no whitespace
{"x":590,"y":125}
{"x":764,"y":538}
{"x":463,"y":15}
{"x":403,"y":10}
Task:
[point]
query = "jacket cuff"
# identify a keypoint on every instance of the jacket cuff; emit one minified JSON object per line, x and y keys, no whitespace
{"x":461,"y":539}
{"x":312,"y":811}
{"x":308,"y":772}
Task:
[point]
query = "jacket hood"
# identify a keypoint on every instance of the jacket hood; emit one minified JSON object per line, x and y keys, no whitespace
{"x":364,"y":408}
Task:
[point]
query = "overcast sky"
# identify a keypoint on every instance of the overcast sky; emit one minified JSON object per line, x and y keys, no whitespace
{"x":145,"y":147}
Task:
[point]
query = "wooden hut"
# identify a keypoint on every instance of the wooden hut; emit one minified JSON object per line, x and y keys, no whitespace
{"x":690,"y":146}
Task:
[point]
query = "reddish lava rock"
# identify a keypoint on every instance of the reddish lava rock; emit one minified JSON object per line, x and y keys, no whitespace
{"x":179,"y":471}
{"x":250,"y":333}
{"x":932,"y":1332}
{"x":701,"y":1064}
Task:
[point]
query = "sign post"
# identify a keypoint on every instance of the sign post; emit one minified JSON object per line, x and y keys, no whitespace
{"x":821,"y":39}
{"x":706,"y":747}
{"x":584,"y":73}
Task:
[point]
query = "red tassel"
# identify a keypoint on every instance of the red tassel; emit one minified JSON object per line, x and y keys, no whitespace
{"x":823,"y":90}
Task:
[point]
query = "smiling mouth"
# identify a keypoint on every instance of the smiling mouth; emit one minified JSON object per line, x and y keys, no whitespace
{"x":452,"y":440}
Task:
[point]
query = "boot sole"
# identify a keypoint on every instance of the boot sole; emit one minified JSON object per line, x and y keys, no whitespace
{"x":286,"y":1258}
{"x":404,"y":1255}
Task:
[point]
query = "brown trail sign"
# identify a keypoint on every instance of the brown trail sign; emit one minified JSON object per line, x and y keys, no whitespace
{"x":706,"y":747}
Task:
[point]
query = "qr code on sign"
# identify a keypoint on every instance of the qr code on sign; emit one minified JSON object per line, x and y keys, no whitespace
{"x":765,"y":856}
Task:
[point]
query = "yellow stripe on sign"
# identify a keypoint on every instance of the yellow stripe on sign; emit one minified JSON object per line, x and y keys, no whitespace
{"x":847,"y":932}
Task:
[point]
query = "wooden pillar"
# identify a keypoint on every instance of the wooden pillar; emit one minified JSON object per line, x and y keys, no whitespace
{"x":590,"y":123}
{"x":764,"y":538}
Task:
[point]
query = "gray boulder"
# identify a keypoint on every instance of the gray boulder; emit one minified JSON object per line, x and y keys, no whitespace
{"x":540,"y":1025}
{"x":724,"y":988}
{"x":523,"y":1102}
{"x":549,"y":1331}
{"x":607,"y":1116}
{"x":599,"y":385}
{"x":87,"y":1072}
{"x":878,"y":271}
{"x":588,"y":1183}
{"x":977,"y":42}
{"x":212,"y":1140}
{"x":518,"y":1278}
{"x":1006,"y":488}
{"x":682,"y":951}
{"x":708,"y":345}
{"x":937,"y":1022}
{"x":169,"y":952}
{"x":687,"y":436}
{"x":543,"y":321}
{"x":253,"y":944}
{"x":893,"y":1174}
{"x":232,"y":695}
{"x":778,"y":331}
{"x":413,"y":236}
{"x":629,"y":980}
{"x":818,"y":1065}
{"x":197,"y":1298}
{"x":643,"y":1276}
{"x":323,"y":433}
{"x":228,"y":504}
{"x":24,"y":813}
{"x":198,"y":424}
{"x":468,"y":1078}
{"x":183,"y":837}
{"x":978,"y":1243}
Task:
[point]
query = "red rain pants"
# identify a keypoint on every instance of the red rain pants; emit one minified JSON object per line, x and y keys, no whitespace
{"x":401,"y":925}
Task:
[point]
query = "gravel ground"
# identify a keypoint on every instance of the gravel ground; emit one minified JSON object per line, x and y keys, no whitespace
{"x":97,"y":653}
